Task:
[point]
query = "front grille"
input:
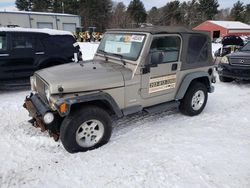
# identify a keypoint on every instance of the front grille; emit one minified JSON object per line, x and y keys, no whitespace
{"x":40,"y":86}
{"x":240,"y":61}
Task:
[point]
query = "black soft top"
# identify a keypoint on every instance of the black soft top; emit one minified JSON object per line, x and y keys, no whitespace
{"x":158,"y":30}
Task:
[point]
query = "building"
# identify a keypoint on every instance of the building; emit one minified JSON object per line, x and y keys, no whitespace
{"x":67,"y":22}
{"x":223,"y":28}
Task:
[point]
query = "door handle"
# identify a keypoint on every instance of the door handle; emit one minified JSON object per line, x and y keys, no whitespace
{"x":174,"y":66}
{"x":40,"y":53}
{"x":4,"y":55}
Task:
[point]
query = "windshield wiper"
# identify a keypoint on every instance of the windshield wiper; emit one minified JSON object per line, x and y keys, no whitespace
{"x":104,"y":53}
{"x":120,"y":56}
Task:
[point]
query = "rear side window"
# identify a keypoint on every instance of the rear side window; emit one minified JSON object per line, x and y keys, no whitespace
{"x":63,"y":41}
{"x":20,"y":41}
{"x":169,"y":46}
{"x":3,"y":42}
{"x":197,"y":49}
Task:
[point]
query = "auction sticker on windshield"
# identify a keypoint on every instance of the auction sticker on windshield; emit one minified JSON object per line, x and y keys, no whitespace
{"x":137,"y":38}
{"x":162,"y":83}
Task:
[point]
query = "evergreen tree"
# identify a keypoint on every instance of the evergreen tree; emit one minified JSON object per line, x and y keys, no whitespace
{"x":25,"y":5}
{"x":41,"y":6}
{"x":247,"y":13}
{"x":237,"y":12}
{"x":137,"y":11}
{"x":171,"y":13}
{"x":96,"y":13}
{"x":208,"y":9}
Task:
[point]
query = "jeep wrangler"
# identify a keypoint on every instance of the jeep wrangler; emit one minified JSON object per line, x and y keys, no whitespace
{"x":149,"y":69}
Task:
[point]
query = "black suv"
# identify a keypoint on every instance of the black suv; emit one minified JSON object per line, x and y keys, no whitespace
{"x":235,"y":65}
{"x":23,"y":51}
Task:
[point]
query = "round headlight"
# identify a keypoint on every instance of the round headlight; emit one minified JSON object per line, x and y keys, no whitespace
{"x":224,"y":60}
{"x":48,"y":118}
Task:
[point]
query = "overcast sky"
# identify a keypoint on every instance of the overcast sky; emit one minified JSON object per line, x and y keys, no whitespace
{"x":148,"y":3}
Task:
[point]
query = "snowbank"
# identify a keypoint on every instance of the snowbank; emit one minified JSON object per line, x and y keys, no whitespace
{"x":88,"y":49}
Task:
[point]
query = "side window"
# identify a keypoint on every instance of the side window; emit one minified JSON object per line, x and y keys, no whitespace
{"x":165,"y":49}
{"x":3,"y":42}
{"x":197,"y":49}
{"x":20,"y":41}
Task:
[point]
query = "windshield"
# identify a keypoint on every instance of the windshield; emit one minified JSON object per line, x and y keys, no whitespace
{"x":246,"y":47}
{"x":127,"y":46}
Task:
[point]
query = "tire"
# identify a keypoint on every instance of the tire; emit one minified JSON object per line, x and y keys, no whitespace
{"x":194,"y":100}
{"x":225,"y":79}
{"x":86,"y":129}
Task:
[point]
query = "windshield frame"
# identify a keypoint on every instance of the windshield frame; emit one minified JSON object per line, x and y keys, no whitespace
{"x":123,"y":57}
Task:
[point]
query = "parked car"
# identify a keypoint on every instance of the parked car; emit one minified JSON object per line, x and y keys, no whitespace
{"x":149,"y":69}
{"x":236,"y":65}
{"x":230,"y":44}
{"x":24,"y":51}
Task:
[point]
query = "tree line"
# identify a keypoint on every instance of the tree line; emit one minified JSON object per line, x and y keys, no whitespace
{"x":105,"y":14}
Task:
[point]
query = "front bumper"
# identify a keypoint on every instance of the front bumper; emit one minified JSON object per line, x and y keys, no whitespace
{"x":236,"y":72}
{"x":37,"y":109}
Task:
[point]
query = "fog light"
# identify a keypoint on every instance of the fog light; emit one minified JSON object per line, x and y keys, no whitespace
{"x":48,"y":118}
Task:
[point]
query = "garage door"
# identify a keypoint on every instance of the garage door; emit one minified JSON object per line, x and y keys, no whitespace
{"x":45,"y":25}
{"x":69,"y":27}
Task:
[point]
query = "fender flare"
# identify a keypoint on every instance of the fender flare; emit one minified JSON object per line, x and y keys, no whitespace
{"x":100,"y":96}
{"x":187,"y":81}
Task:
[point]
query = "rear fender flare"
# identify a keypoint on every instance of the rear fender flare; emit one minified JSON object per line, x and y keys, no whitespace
{"x":187,"y":81}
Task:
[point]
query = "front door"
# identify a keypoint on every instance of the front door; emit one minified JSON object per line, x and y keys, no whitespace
{"x":22,"y":55}
{"x":4,"y":56}
{"x":159,"y":82}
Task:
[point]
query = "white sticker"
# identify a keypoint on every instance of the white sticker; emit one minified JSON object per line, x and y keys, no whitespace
{"x":162,"y":83}
{"x":137,"y":38}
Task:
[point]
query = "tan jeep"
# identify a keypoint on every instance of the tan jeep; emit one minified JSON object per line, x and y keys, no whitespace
{"x":146,"y":69}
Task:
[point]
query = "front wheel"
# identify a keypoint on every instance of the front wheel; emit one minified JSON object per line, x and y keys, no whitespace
{"x":86,"y":129}
{"x":194,"y":100}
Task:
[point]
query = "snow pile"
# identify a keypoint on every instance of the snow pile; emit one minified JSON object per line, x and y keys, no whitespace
{"x":88,"y":49}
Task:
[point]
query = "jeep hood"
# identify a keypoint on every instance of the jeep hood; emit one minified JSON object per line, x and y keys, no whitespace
{"x":85,"y":76}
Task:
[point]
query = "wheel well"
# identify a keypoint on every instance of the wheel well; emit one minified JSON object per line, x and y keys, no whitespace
{"x":100,"y":103}
{"x":203,"y":80}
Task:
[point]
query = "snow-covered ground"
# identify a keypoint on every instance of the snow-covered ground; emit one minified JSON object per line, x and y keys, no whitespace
{"x":158,"y":150}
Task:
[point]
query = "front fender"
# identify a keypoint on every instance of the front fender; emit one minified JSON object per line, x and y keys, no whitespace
{"x":100,"y":96}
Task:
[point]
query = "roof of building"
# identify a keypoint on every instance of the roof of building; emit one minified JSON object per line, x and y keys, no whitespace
{"x":231,"y":24}
{"x":46,"y":31}
{"x":157,"y":29}
{"x":37,"y":13}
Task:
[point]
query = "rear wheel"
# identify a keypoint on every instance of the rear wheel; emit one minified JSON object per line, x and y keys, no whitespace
{"x":194,"y":100}
{"x":225,"y":79}
{"x":86,"y":129}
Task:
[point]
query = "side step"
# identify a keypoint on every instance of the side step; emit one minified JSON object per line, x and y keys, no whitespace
{"x":162,"y":107}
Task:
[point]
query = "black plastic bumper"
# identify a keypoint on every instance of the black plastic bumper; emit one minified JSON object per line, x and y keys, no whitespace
{"x":236,"y":72}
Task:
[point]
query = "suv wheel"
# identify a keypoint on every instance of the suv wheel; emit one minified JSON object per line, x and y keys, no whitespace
{"x":225,"y":79}
{"x":194,"y":100}
{"x":86,"y":129}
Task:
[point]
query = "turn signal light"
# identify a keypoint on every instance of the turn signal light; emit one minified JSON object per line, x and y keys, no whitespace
{"x":63,"y":107}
